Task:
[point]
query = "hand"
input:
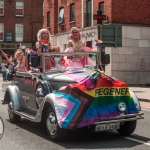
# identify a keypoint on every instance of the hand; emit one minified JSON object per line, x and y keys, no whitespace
{"x":5,"y":55}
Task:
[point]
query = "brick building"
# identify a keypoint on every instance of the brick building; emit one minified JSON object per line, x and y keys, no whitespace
{"x":20,"y":21}
{"x":131,"y":61}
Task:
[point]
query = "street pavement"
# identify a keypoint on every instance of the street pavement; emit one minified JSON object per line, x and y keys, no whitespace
{"x":143,"y":93}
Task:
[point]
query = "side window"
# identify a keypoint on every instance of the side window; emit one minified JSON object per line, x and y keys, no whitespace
{"x":1,"y":7}
{"x":1,"y":32}
{"x":61,"y":15}
{"x":72,"y":12}
{"x":19,"y":33}
{"x":19,"y":8}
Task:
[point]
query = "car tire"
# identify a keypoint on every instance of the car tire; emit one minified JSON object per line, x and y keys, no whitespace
{"x":127,"y":128}
{"x":13,"y":117}
{"x":55,"y":132}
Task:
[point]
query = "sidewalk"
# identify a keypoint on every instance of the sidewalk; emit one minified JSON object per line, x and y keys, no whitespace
{"x":142,"y":93}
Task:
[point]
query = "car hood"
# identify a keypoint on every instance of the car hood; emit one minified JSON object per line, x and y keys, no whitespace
{"x":59,"y":77}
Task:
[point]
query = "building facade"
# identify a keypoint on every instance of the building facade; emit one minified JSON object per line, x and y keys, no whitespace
{"x":20,"y":21}
{"x":131,"y":61}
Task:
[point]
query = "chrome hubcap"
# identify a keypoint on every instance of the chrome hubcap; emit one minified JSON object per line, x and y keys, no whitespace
{"x":51,"y":124}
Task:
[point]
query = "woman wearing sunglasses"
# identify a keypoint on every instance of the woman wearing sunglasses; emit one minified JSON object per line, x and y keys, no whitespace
{"x":75,"y":44}
{"x":43,"y":44}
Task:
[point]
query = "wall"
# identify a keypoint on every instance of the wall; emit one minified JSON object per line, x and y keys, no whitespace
{"x":131,"y":11}
{"x":131,"y":62}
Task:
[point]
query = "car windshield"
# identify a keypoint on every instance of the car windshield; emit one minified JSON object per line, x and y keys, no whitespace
{"x":68,"y":61}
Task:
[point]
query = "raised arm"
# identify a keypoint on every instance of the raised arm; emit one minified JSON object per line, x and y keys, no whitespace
{"x":5,"y":55}
{"x":39,"y":47}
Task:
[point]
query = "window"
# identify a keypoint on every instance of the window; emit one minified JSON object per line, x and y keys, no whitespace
{"x":72,"y":12}
{"x":1,"y":32}
{"x":88,"y":14}
{"x":1,"y":7}
{"x":61,"y":15}
{"x":48,"y":19}
{"x":101,"y":7}
{"x":19,"y":33}
{"x":19,"y":8}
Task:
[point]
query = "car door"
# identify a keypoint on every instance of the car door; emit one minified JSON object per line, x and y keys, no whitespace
{"x":30,"y":85}
{"x":19,"y":81}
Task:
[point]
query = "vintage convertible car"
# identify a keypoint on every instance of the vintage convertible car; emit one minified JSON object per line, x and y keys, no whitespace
{"x":72,"y":98}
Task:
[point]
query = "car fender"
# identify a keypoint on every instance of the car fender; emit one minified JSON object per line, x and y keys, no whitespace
{"x":12,"y":93}
{"x":47,"y":102}
{"x":135,"y":99}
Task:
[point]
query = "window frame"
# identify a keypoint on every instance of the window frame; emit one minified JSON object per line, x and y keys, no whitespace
{"x":19,"y":38}
{"x":72,"y":13}
{"x":20,"y":15}
{"x":48,"y":19}
{"x":61,"y":12}
{"x":2,"y":8}
{"x":101,"y":7}
{"x":88,"y":14}
{"x":2,"y":31}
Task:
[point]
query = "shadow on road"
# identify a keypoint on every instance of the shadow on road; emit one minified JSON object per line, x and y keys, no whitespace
{"x":81,"y":139}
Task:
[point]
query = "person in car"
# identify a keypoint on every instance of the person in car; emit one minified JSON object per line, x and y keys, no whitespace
{"x":75,"y":44}
{"x":43,"y":44}
{"x":48,"y":64}
{"x":21,"y":60}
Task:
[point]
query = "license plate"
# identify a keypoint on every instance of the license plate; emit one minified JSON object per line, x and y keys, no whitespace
{"x":102,"y":127}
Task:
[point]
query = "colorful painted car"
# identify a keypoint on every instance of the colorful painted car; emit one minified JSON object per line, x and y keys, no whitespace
{"x":72,"y":98}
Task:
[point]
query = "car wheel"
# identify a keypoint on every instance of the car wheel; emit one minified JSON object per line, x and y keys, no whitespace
{"x":127,"y":128}
{"x":13,"y":117}
{"x":55,"y":132}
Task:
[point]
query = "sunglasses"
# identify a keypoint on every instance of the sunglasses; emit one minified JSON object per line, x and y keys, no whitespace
{"x":75,"y":32}
{"x":44,"y":33}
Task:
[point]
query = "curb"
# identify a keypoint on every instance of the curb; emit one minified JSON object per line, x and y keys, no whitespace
{"x":144,"y":100}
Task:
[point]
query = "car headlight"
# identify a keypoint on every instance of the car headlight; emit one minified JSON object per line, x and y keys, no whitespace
{"x":122,"y":107}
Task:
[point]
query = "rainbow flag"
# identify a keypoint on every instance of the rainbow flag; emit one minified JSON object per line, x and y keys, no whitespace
{"x":45,"y":45}
{"x":78,"y":105}
{"x":98,"y":42}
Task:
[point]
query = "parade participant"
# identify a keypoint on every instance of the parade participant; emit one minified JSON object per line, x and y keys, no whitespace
{"x":21,"y":60}
{"x":48,"y":64}
{"x":75,"y":44}
{"x":43,"y":43}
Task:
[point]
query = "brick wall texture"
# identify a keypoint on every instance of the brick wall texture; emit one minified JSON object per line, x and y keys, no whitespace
{"x":118,"y":11}
{"x":32,"y":19}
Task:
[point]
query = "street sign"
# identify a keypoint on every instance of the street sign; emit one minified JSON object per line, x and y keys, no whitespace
{"x":99,"y":17}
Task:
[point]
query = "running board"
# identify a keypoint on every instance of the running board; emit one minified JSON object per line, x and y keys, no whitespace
{"x":25,"y":115}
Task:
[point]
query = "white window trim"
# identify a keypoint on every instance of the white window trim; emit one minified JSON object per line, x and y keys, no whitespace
{"x":3,"y":30}
{"x":22,"y":9}
{"x":3,"y":9}
{"x":18,"y":39}
{"x":83,"y":6}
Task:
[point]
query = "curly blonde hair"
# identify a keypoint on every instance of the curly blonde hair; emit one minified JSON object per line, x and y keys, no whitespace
{"x":18,"y":52}
{"x":39,"y":38}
